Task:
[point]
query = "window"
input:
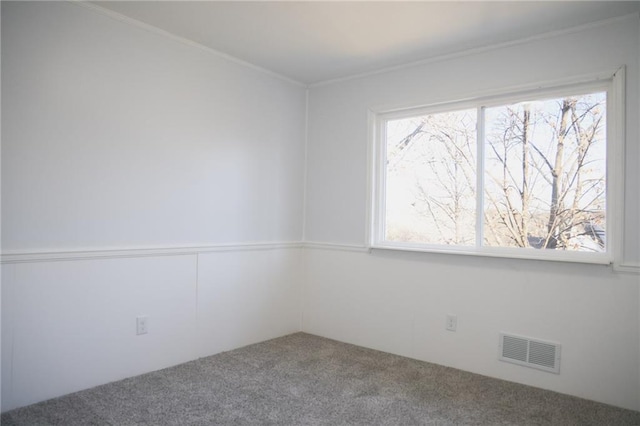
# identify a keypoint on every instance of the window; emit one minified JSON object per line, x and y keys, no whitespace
{"x":520,"y":175}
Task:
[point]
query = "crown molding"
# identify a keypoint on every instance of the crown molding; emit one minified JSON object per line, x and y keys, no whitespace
{"x":159,"y":31}
{"x":478,"y":50}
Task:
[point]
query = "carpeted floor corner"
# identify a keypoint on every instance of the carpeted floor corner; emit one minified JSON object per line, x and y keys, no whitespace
{"x":302,"y":379}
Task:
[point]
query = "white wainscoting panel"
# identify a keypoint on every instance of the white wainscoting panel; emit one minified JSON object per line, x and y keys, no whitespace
{"x":247,"y":297}
{"x":69,"y":325}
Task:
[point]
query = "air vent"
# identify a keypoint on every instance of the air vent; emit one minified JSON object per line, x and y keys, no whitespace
{"x":530,"y":352}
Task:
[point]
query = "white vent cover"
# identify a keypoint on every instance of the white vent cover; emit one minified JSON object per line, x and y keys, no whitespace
{"x":530,"y":352}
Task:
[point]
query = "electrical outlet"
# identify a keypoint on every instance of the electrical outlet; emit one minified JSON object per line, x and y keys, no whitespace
{"x":452,"y":322}
{"x":142,"y":325}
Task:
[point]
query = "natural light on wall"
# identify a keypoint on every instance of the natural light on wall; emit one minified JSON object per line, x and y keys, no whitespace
{"x":521,"y":175}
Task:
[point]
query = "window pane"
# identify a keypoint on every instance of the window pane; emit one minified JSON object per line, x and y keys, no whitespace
{"x":545,"y":171}
{"x":431,"y":179}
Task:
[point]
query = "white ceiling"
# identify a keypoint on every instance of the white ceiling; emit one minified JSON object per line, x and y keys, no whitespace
{"x":313,"y":42}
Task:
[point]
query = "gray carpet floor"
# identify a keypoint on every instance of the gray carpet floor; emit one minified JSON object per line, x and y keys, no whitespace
{"x":308,"y":380}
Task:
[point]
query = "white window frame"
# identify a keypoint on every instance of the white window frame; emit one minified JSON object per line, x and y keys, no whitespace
{"x":612,"y":82}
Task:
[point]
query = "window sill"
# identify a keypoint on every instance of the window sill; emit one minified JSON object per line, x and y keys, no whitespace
{"x":505,"y":253}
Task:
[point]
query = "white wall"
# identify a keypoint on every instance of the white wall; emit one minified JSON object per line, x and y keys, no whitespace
{"x":70,"y":325}
{"x":115,"y":137}
{"x":398,"y":302}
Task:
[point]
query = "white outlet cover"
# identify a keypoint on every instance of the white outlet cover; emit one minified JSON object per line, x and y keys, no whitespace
{"x":142,"y":325}
{"x":452,"y":322}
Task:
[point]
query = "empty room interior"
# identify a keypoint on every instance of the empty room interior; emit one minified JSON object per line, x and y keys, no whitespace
{"x":454,"y":185}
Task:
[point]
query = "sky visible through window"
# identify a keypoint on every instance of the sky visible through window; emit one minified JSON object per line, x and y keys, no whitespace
{"x":544,"y":175}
